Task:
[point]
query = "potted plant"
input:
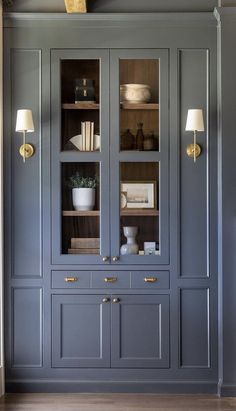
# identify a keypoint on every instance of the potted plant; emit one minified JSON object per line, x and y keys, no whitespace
{"x":83,"y":191}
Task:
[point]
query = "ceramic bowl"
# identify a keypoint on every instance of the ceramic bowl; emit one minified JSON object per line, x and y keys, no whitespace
{"x":135,"y":93}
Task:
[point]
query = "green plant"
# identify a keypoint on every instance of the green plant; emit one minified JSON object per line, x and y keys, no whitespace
{"x":78,"y":181}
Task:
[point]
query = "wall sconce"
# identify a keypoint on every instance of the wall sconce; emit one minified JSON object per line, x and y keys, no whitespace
{"x":25,"y":124}
{"x":194,"y":123}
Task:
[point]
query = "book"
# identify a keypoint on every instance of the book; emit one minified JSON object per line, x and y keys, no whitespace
{"x":84,"y":251}
{"x":87,"y":135}
{"x":85,"y":242}
{"x":92,"y":137}
{"x":83,"y":135}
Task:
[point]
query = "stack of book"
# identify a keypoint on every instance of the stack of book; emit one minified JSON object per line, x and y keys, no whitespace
{"x":87,"y":132}
{"x":84,"y":246}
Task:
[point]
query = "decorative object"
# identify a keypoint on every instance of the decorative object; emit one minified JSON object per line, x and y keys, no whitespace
{"x":139,"y":137}
{"x":123,"y":199}
{"x":76,"y":6}
{"x":77,"y":141}
{"x":140,"y":194}
{"x":127,"y":141}
{"x":150,"y":143}
{"x":135,"y":93}
{"x":83,"y":192}
{"x":131,"y":247}
{"x":84,"y":91}
{"x":25,"y":124}
{"x":194,"y":123}
{"x":149,"y":247}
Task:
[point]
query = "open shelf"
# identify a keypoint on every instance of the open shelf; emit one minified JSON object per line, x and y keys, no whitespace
{"x":141,"y":213}
{"x":80,"y":106}
{"x":95,"y":213}
{"x":140,"y":106}
{"x":73,"y":213}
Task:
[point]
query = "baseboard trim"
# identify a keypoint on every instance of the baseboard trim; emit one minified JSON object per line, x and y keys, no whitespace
{"x":158,"y":387}
{"x":228,"y":390}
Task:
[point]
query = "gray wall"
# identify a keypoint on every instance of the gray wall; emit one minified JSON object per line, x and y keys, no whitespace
{"x":228,"y":271}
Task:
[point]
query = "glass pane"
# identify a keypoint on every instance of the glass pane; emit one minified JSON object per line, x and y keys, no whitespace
{"x":80,"y":208}
{"x":139,"y":108}
{"x":139,"y":215}
{"x":80,"y":91}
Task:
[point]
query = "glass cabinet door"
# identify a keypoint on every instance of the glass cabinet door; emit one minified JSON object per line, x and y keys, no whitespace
{"x":139,"y":156}
{"x":80,"y":156}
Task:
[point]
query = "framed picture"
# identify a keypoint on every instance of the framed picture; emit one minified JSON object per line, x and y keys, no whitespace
{"x":139,"y":194}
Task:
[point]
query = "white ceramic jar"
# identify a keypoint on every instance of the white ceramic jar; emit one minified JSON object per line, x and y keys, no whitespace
{"x":135,"y":93}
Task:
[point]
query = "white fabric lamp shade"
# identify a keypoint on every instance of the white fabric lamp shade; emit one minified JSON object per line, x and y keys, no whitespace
{"x":24,"y":121}
{"x":195,"y":120}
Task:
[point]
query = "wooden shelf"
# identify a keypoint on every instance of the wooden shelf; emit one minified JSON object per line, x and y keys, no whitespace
{"x":141,"y":213}
{"x":80,"y":106}
{"x":141,"y":106}
{"x":73,"y":213}
{"x":95,"y":213}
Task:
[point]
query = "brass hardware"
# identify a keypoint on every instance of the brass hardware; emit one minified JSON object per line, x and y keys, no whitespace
{"x":193,"y":150}
{"x":104,"y":259}
{"x":71,"y":279}
{"x":105,"y":300}
{"x":110,"y":279}
{"x":26,"y":151}
{"x":150,"y":279}
{"x":115,"y":258}
{"x":116,"y":300}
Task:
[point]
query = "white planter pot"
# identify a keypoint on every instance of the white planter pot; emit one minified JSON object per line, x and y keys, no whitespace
{"x":83,"y":198}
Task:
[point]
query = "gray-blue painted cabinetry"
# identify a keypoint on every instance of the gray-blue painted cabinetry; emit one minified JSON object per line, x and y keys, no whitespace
{"x":125,"y":331}
{"x":81,"y":315}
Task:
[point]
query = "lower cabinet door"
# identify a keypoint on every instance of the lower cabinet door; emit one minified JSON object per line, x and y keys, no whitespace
{"x":80,"y":331}
{"x":140,"y":331}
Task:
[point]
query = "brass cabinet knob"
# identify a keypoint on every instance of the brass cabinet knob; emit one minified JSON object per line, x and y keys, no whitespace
{"x":105,"y":300}
{"x":71,"y":279}
{"x":110,"y":279}
{"x":115,"y":258}
{"x":150,"y":279}
{"x":105,"y":258}
{"x":116,"y":300}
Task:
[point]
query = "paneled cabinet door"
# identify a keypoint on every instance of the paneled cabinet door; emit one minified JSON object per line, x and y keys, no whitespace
{"x":140,"y":331}
{"x":139,"y":156}
{"x":80,"y":156}
{"x":81,"y":331}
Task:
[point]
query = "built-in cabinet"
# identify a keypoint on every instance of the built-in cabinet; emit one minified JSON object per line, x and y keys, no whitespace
{"x":118,"y":293}
{"x":120,"y":145}
{"x":127,"y":331}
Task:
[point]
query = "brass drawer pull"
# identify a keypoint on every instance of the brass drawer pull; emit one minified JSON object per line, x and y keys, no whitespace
{"x":110,"y":279}
{"x":71,"y":279}
{"x":150,"y":279}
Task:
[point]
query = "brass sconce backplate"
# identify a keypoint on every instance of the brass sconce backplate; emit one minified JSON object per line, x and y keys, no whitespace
{"x":26,"y":150}
{"x":191,"y":148}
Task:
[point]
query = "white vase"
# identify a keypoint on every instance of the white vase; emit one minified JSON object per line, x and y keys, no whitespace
{"x":83,"y":199}
{"x":131,"y":247}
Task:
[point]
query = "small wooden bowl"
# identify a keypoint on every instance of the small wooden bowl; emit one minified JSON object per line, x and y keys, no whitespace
{"x":76,"y":6}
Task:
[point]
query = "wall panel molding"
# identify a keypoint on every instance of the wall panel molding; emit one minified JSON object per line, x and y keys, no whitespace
{"x":27,"y":326}
{"x":26,"y":192}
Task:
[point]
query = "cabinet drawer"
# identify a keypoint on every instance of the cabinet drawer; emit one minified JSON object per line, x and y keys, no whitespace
{"x":150,"y":279}
{"x":71,"y":279}
{"x":111,"y":279}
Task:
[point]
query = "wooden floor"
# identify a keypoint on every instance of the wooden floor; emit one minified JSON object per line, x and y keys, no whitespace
{"x":114,"y":402}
